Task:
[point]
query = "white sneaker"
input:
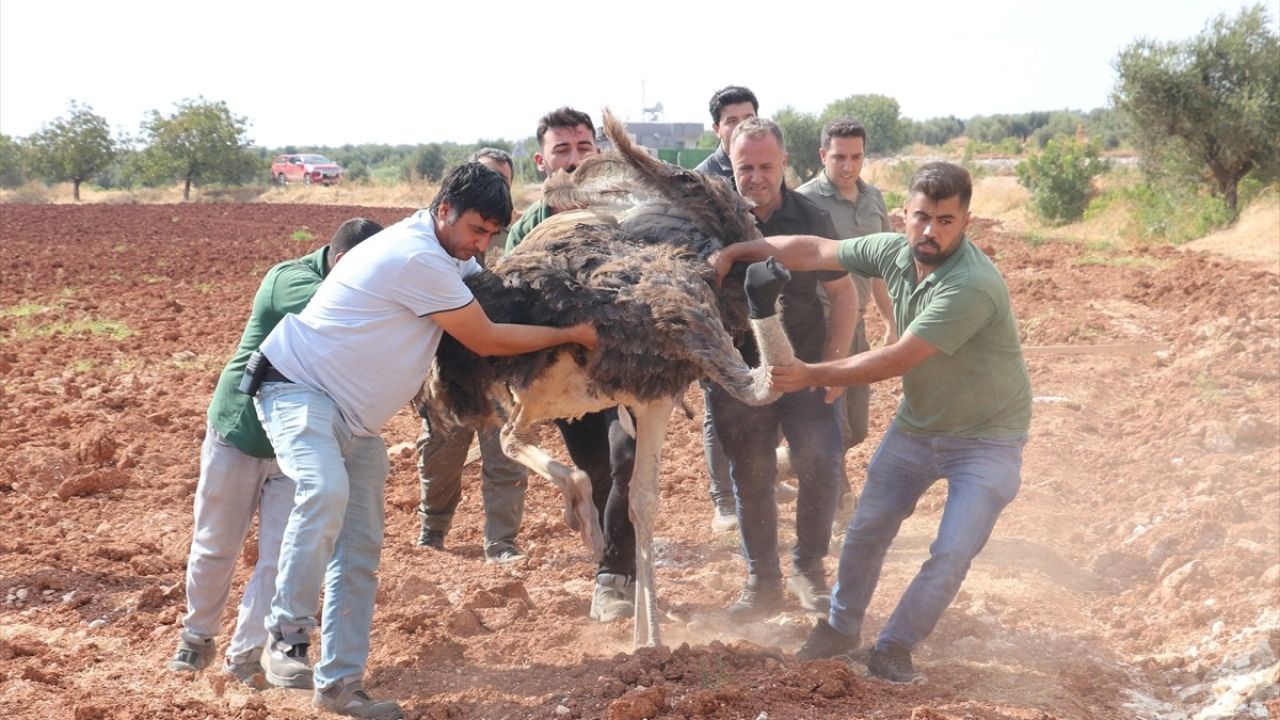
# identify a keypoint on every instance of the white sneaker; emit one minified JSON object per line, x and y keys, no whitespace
{"x":785,"y":493}
{"x":351,"y":700}
{"x":193,"y":654}
{"x":614,"y":598}
{"x":724,"y":521}
{"x":285,"y":664}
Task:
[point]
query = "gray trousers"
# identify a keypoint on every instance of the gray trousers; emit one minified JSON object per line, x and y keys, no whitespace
{"x":855,"y":416}
{"x":503,"y":482}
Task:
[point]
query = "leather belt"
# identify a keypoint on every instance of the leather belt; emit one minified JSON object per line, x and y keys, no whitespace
{"x":274,"y":375}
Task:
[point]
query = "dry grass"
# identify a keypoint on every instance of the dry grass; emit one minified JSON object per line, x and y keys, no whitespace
{"x":410,"y":194}
{"x":1001,"y":198}
{"x":1254,"y":238}
{"x":61,"y":194}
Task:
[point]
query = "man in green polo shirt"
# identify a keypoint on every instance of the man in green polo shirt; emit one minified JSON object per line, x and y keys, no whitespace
{"x":965,"y":412}
{"x":239,"y":477}
{"x":565,"y":137}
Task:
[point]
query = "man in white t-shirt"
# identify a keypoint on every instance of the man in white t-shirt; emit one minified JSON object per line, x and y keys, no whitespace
{"x":337,"y":372}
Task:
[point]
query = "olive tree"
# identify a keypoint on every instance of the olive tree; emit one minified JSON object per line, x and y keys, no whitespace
{"x":13,"y":161}
{"x":802,"y":133}
{"x":73,"y":148}
{"x":879,"y":114}
{"x":201,"y":141}
{"x":1217,"y":94}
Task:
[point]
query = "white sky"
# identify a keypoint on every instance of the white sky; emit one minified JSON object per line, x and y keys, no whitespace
{"x":329,"y":73}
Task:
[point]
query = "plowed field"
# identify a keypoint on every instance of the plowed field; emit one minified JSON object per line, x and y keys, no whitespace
{"x":1137,"y":574}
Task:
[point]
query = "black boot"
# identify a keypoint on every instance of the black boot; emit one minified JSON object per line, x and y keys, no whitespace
{"x":893,"y":663}
{"x":827,"y":642}
{"x":433,"y":539}
{"x":760,"y":598}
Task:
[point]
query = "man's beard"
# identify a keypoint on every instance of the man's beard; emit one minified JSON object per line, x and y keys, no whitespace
{"x":935,"y":259}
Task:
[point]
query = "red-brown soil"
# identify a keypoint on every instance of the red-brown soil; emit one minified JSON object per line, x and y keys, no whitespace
{"x":1137,"y":575}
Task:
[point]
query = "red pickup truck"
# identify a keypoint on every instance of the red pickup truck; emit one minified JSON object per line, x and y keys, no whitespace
{"x":305,"y":168}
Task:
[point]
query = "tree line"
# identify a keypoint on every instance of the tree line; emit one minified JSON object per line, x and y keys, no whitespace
{"x":203,"y":142}
{"x":1204,"y":111}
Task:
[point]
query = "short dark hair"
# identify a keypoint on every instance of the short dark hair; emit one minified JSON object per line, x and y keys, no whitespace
{"x":351,"y":233}
{"x":731,"y":95}
{"x":563,"y":117}
{"x":472,"y":186}
{"x":500,"y":156}
{"x":941,"y":180}
{"x":843,"y":127}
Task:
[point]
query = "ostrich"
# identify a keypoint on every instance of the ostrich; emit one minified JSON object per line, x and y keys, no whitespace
{"x":631,"y":259}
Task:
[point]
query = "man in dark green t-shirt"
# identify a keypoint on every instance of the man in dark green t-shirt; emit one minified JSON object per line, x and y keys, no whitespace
{"x":239,"y":477}
{"x":965,"y":412}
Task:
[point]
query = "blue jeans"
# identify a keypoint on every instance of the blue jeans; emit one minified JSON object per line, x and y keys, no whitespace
{"x":750,"y":439}
{"x":983,"y":475}
{"x":334,"y":534}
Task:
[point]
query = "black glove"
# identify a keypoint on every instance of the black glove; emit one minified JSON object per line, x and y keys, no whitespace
{"x":765,"y":280}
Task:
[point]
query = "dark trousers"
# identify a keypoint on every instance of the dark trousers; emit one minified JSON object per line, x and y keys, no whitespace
{"x":599,"y":446}
{"x":750,"y":435}
{"x":856,"y":400}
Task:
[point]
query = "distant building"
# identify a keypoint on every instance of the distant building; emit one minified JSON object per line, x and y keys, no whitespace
{"x":666,"y":136}
{"x":675,"y":143}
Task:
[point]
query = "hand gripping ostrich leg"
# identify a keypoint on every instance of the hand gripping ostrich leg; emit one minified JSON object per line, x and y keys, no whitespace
{"x":651,"y":432}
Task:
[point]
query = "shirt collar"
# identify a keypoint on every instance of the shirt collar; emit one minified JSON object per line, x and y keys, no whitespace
{"x":324,"y":261}
{"x":826,"y":188}
{"x":786,"y":210}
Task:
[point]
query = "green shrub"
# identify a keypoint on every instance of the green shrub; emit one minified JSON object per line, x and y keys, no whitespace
{"x":1173,"y":213}
{"x":1059,"y":178}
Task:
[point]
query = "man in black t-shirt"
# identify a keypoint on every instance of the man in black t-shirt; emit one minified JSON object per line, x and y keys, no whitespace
{"x":807,"y":418}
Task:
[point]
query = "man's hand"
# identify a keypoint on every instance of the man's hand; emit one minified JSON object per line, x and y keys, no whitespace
{"x":833,"y":393}
{"x":789,"y":378}
{"x":721,"y":264}
{"x":584,"y":334}
{"x":890,"y":334}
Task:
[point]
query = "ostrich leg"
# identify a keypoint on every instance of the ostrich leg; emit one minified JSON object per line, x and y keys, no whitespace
{"x":574,"y":485}
{"x":651,"y":432}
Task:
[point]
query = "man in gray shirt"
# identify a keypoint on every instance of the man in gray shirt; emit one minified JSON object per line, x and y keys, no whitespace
{"x":856,"y":209}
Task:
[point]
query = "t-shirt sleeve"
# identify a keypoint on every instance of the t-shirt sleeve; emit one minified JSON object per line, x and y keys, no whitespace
{"x":430,"y":283}
{"x":953,"y":316}
{"x":866,"y":255}
{"x":293,"y":288}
